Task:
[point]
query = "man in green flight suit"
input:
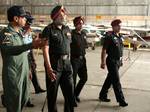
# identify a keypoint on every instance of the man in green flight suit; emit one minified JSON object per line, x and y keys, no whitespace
{"x":15,"y":71}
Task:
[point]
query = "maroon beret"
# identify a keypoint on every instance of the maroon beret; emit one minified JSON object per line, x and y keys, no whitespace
{"x":115,"y":22}
{"x":56,"y":11}
{"x":77,"y":20}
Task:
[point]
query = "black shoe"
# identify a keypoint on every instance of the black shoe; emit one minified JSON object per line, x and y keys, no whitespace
{"x":123,"y":104}
{"x":3,"y":100}
{"x":29,"y":104}
{"x":40,"y":91}
{"x":104,"y":99}
{"x":75,"y":104}
{"x":77,"y":99}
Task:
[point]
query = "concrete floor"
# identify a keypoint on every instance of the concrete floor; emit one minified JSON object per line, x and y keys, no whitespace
{"x":135,"y":79}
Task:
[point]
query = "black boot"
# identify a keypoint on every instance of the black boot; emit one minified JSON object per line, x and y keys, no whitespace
{"x":75,"y":104}
{"x":123,"y":104}
{"x":104,"y":99}
{"x":29,"y":104}
{"x":3,"y":100}
{"x":40,"y":91}
{"x":77,"y":99}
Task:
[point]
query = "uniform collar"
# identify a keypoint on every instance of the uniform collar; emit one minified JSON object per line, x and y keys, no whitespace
{"x":119,"y":35}
{"x":10,"y":28}
{"x":55,"y":27}
{"x":75,"y":30}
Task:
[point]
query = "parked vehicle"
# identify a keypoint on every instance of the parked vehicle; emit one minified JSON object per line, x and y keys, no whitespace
{"x":93,"y":35}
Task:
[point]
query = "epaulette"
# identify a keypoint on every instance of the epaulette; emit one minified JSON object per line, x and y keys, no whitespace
{"x":50,"y":26}
{"x":109,"y":33}
{"x":7,"y":34}
{"x":6,"y":40}
{"x":83,"y":31}
{"x":68,"y":34}
{"x":6,"y":37}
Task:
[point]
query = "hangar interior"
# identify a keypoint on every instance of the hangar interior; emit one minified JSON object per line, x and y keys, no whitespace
{"x":132,"y":12}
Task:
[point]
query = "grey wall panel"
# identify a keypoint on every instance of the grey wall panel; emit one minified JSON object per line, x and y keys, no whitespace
{"x":132,"y":10}
{"x":103,"y":10}
{"x":131,"y":2}
{"x":148,"y":10}
{"x":105,"y":2}
{"x":41,"y":10}
{"x":76,"y":10}
{"x":100,"y":2}
{"x":74,"y":1}
{"x":89,"y":2}
{"x":89,"y":8}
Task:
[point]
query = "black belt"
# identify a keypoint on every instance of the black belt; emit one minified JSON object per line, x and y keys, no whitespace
{"x":64,"y":57}
{"x":61,"y":56}
{"x":77,"y":56}
{"x":117,"y":59}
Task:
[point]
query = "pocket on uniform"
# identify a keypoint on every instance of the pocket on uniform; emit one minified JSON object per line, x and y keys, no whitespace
{"x":67,"y":65}
{"x":54,"y":40}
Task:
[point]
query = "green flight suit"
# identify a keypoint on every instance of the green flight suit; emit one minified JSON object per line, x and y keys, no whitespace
{"x":15,"y":71}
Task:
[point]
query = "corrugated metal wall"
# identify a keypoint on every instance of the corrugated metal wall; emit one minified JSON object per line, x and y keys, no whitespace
{"x":95,"y":11}
{"x":104,"y":7}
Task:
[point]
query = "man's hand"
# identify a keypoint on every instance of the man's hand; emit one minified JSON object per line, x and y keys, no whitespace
{"x":51,"y":74}
{"x":30,"y":75}
{"x":33,"y":64}
{"x":103,"y":58}
{"x":121,"y":62}
{"x":38,"y":43}
{"x":103,"y":65}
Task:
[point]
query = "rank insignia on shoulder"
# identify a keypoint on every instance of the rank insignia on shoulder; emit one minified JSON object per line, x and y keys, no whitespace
{"x":122,"y":39}
{"x":55,"y":34}
{"x":108,"y":33}
{"x":7,"y":34}
{"x":115,"y":38}
{"x":6,"y":41}
{"x":68,"y":34}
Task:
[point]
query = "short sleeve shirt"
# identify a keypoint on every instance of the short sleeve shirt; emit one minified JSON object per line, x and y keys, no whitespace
{"x":59,"y":39}
{"x":78,"y":43}
{"x":114,"y":45}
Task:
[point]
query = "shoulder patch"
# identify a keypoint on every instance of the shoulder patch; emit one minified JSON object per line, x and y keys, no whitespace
{"x":115,"y":38}
{"x":6,"y":40}
{"x":7,"y":34}
{"x":68,"y":34}
{"x":109,"y":33}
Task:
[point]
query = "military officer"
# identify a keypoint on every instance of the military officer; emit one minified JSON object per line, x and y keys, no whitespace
{"x":28,"y":38}
{"x":78,"y":60}
{"x":113,"y":47}
{"x":57,"y":62}
{"x":15,"y":68}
